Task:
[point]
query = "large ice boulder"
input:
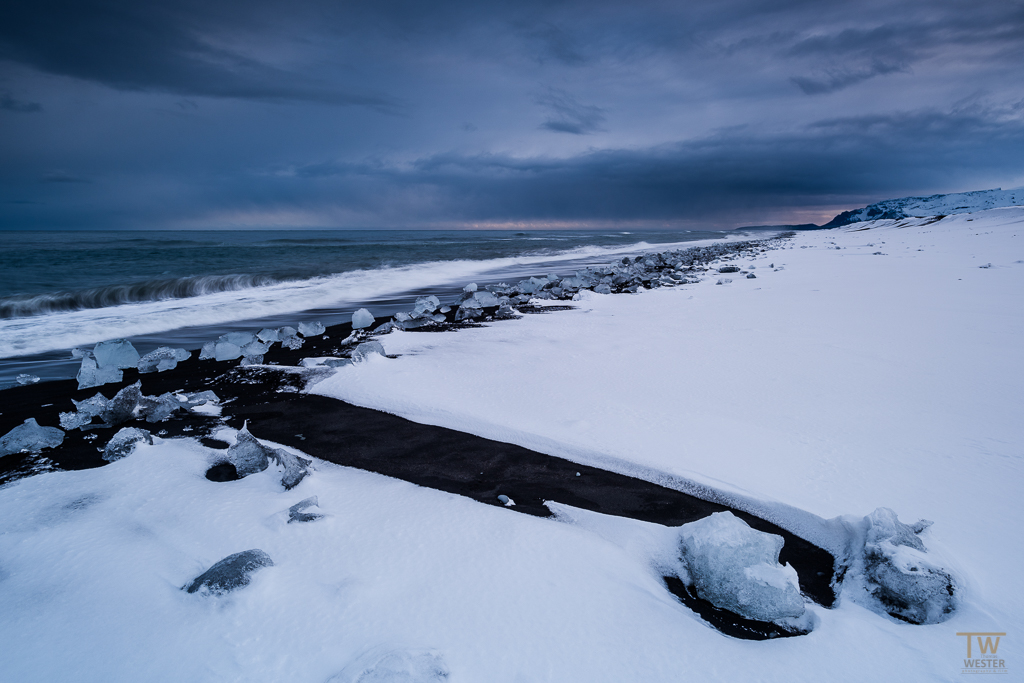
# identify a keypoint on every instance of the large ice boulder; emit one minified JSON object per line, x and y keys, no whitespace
{"x":900,"y":576}
{"x":737,"y":568}
{"x":233,"y":572}
{"x":116,"y":353}
{"x":30,"y":437}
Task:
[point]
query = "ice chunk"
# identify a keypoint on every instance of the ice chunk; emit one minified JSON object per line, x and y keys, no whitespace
{"x":286,"y":331}
{"x":293,"y":342}
{"x":237,"y":338}
{"x":91,"y":375}
{"x":311,"y":329}
{"x":603,"y":288}
{"x":297,"y":512}
{"x":226,"y":351}
{"x":86,"y":411}
{"x":208,"y":351}
{"x":122,"y":407}
{"x":729,"y":269}
{"x":117,"y":353}
{"x":251,"y":360}
{"x":295,"y":467}
{"x":78,"y":354}
{"x":255,"y":348}
{"x":427,"y":304}
{"x":163,"y":358}
{"x":899,"y":575}
{"x":123,"y":443}
{"x":361,"y":319}
{"x":26,"y":379}
{"x":234,"y":571}
{"x":248,"y":455}
{"x":367,"y":349}
{"x":481,"y":300}
{"x":471,"y":287}
{"x":29,"y":437}
{"x":468,"y":313}
{"x":268,"y":335}
{"x":159,"y":408}
{"x":400,"y":666}
{"x":737,"y":568}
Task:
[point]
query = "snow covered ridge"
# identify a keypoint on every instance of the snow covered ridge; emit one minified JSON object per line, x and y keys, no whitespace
{"x":934,"y":205}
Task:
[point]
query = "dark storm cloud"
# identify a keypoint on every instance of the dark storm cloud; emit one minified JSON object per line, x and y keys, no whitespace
{"x":185,"y":111}
{"x":164,"y":47}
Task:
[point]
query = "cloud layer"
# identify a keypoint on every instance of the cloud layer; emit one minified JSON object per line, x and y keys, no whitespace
{"x":394,"y":114}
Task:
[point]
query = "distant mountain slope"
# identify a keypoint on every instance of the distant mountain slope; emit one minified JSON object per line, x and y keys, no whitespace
{"x":935,"y":205}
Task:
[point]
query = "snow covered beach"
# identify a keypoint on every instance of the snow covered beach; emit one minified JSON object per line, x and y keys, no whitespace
{"x":875,"y":365}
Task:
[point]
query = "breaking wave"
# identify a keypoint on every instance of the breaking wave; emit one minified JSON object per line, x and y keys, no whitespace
{"x":114,"y":295}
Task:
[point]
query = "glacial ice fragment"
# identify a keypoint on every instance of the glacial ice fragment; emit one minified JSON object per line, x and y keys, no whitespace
{"x":29,"y":437}
{"x":314,"y":329}
{"x":900,"y":576}
{"x":91,"y":375}
{"x":269,"y":335}
{"x":248,"y":455}
{"x":255,"y":348}
{"x":237,"y":338}
{"x":117,"y":353}
{"x":26,"y":379}
{"x":159,"y":408}
{"x":226,"y":351}
{"x":122,"y":407}
{"x":367,"y":349}
{"x":468,"y":313}
{"x":123,"y":443}
{"x":602,"y":288}
{"x":293,"y":342}
{"x":233,"y":572}
{"x":471,"y":287}
{"x":85,"y":411}
{"x":426,"y":304}
{"x":208,"y":351}
{"x":737,"y":568}
{"x":295,"y":467}
{"x":362,"y":319}
{"x":161,"y":359}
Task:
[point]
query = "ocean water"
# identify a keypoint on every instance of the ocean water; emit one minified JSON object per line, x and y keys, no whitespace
{"x":59,"y":290}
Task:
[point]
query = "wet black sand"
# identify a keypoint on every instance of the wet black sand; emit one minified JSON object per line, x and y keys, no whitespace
{"x":376,"y":441}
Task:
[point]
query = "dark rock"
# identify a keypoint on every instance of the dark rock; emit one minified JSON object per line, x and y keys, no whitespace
{"x":231,"y":573}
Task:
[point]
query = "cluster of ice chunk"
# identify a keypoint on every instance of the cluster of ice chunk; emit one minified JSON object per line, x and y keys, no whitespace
{"x":648,"y":271}
{"x":129,"y":404}
{"x":252,"y":347}
{"x":737,"y":568}
{"x":105,"y":362}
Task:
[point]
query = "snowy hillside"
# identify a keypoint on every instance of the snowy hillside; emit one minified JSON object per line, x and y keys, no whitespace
{"x":935,"y":205}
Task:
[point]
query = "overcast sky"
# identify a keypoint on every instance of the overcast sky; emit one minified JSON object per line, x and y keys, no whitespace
{"x":317,"y":113}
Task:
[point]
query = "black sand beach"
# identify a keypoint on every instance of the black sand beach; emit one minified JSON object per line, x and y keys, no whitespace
{"x":269,"y":399}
